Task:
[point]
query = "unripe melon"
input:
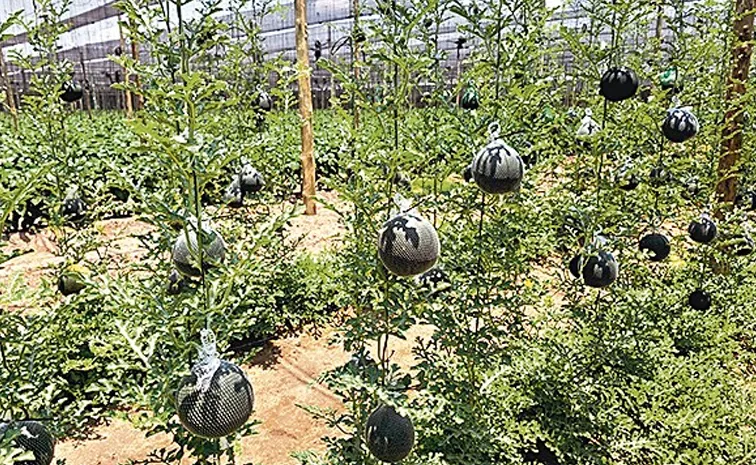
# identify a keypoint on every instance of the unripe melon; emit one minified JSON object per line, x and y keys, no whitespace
{"x":600,"y":270}
{"x":408,"y":244}
{"x":498,"y":168}
{"x":703,"y":231}
{"x":32,"y":437}
{"x":656,"y":245}
{"x":185,"y":249}
{"x":250,"y":180}
{"x":390,"y":436}
{"x":220,"y":409}
{"x":72,"y":279}
{"x":699,"y":300}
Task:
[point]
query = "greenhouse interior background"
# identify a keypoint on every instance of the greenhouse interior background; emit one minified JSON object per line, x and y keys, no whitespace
{"x":93,"y":34}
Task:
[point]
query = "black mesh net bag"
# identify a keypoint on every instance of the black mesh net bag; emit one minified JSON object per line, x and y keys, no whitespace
{"x":497,"y":168}
{"x":30,"y":436}
{"x":588,"y":126}
{"x":390,"y":436}
{"x":680,"y":125}
{"x":233,"y":195}
{"x":250,"y":180}
{"x":217,"y":398}
{"x":434,"y":281}
{"x":185,"y":252}
{"x":408,"y":244}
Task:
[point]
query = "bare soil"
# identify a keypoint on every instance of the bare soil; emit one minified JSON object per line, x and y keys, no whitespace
{"x":284,"y":374}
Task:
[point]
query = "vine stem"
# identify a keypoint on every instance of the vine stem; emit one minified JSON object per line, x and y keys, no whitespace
{"x":191,"y":123}
{"x":498,"y":59}
{"x":472,"y":372}
{"x":660,"y":166}
{"x":600,"y":169}
{"x":383,"y":349}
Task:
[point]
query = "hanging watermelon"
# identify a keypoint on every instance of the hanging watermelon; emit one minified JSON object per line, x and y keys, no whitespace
{"x":408,"y":244}
{"x":470,"y":99}
{"x":185,"y":249}
{"x":618,"y":83}
{"x":434,"y":280}
{"x":600,"y":270}
{"x":656,"y":246}
{"x":402,"y":181}
{"x":72,"y":279}
{"x":264,"y":101}
{"x":216,"y":399}
{"x":175,"y":283}
{"x":626,"y":179}
{"x":250,"y":180}
{"x":742,"y":245}
{"x":668,"y":80}
{"x":703,"y":231}
{"x":30,"y":436}
{"x":71,"y":92}
{"x":588,"y":127}
{"x":747,"y":200}
{"x":699,"y":300}
{"x":659,"y":176}
{"x":691,"y":188}
{"x":497,"y":168}
{"x":233,"y":195}
{"x":389,"y":435}
{"x":679,"y":125}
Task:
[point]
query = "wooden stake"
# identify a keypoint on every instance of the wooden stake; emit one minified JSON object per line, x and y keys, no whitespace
{"x":9,"y":97}
{"x":732,"y":133}
{"x":305,"y":108}
{"x":135,"y":57}
{"x":126,"y":77}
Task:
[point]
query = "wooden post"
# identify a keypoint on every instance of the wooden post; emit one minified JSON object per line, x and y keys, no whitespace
{"x":732,"y":133}
{"x":126,"y":78}
{"x":305,"y":108}
{"x":9,"y":97}
{"x":135,"y":56}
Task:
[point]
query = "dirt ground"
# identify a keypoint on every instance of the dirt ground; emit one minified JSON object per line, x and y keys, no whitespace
{"x":283,"y":375}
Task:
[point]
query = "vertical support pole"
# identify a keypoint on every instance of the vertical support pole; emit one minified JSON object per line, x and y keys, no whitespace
{"x":305,"y":108}
{"x":126,"y":78}
{"x":331,"y":81}
{"x":356,"y":59}
{"x":87,"y":86}
{"x":135,"y":57}
{"x":9,"y":97}
{"x":732,"y":132}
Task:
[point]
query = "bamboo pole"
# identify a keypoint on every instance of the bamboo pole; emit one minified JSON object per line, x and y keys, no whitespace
{"x":9,"y":94}
{"x":305,"y":108}
{"x":732,"y":132}
{"x":126,"y":77}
